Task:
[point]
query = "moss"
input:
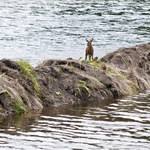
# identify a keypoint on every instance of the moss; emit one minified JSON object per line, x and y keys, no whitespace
{"x":28,"y":72}
{"x":18,"y":104}
{"x":19,"y":108}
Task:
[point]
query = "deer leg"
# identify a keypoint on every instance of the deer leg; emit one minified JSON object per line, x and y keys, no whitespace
{"x":92,"y":56}
{"x":85,"y":57}
{"x":89,"y":57}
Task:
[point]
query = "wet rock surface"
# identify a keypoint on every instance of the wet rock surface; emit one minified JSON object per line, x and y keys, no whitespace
{"x":123,"y":72}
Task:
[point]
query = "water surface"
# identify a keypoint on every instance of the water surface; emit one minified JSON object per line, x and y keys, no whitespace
{"x":114,"y":124}
{"x":36,"y":30}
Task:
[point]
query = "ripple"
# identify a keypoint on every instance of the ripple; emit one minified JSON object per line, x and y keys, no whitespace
{"x":39,"y":23}
{"x":38,"y":30}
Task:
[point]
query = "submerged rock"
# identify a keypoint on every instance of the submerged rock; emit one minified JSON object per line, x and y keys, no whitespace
{"x":54,"y":82}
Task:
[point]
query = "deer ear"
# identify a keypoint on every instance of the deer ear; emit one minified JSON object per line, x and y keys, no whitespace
{"x":87,"y":40}
{"x":92,"y":40}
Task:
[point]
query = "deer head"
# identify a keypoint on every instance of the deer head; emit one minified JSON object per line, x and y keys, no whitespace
{"x":89,"y":42}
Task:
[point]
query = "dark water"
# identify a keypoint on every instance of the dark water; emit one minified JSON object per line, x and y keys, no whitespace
{"x":40,"y":29}
{"x":117,"y":124}
{"x":35,"y":30}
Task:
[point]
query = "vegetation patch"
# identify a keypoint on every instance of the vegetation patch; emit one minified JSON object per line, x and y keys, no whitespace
{"x":110,"y":71}
{"x":129,"y":86}
{"x":99,"y":84}
{"x":95,"y":64}
{"x":28,"y":72}
{"x":17,"y":103}
{"x":85,"y":61}
{"x":2,"y":75}
{"x":83,"y":87}
{"x":19,"y":108}
{"x":120,"y":76}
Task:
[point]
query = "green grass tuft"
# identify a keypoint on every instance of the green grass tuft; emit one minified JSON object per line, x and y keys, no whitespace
{"x":110,"y":71}
{"x":95,"y":63}
{"x":2,"y":75}
{"x":28,"y":72}
{"x":19,"y":108}
{"x":18,"y":104}
{"x":120,"y":76}
{"x":86,"y":61}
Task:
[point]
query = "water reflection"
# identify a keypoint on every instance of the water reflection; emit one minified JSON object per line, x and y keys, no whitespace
{"x":118,"y":124}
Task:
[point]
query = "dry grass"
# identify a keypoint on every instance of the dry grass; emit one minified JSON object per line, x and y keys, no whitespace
{"x":83,"y":86}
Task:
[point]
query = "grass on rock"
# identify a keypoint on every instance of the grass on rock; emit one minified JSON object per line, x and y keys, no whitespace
{"x":28,"y":72}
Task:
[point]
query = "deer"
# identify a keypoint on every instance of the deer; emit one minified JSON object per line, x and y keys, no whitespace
{"x":89,"y":50}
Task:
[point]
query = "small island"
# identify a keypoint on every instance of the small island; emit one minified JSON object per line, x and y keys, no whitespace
{"x":56,"y":82}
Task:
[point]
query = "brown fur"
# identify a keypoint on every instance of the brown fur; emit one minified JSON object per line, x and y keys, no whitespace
{"x":89,"y":50}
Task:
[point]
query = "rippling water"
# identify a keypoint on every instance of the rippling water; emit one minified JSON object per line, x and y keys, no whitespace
{"x":39,"y":29}
{"x":117,"y":124}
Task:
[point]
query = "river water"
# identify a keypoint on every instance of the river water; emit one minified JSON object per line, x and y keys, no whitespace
{"x":36,"y":30}
{"x":122,"y":124}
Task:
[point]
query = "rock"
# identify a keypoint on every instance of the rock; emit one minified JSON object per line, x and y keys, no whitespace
{"x":148,"y":56}
{"x":15,"y":90}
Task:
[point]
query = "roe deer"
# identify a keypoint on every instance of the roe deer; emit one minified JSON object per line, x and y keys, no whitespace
{"x":89,"y":50}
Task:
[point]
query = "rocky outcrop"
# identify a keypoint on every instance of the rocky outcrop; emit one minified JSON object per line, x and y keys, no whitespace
{"x":135,"y":61}
{"x":16,"y":92}
{"x":123,"y":72}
